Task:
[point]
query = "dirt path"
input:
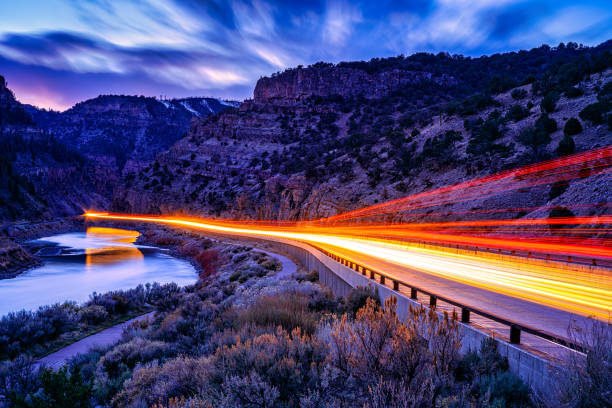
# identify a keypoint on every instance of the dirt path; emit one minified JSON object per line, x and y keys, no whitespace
{"x":104,"y":338}
{"x":289,"y":267}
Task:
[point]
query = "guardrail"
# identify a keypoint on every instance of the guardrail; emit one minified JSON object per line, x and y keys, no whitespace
{"x":515,"y":327}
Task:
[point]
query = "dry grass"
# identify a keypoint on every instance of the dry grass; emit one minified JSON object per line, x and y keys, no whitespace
{"x":288,"y":310}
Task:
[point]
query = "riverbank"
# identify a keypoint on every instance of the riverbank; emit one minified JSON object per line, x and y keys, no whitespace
{"x":103,"y":337}
{"x":15,"y":258}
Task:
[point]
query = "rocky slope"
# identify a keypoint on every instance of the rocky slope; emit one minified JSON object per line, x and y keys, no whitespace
{"x":13,"y":258}
{"x":321,"y":140}
{"x":40,"y":177}
{"x":119,"y":129}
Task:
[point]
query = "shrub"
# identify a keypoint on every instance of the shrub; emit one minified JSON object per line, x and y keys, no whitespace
{"x":21,"y":330}
{"x":546,"y":123}
{"x":18,"y":378}
{"x":287,"y":310}
{"x":209,"y":260}
{"x":574,"y":92}
{"x":137,"y":350}
{"x":155,"y":383}
{"x":283,"y":365}
{"x":518,"y":94}
{"x":566,"y":146}
{"x":235,"y":276}
{"x":414,"y":358}
{"x":560,"y":212}
{"x":586,"y":381}
{"x":93,"y":314}
{"x":594,"y":112}
{"x":358,"y":297}
{"x":557,"y":189}
{"x":549,"y":102}
{"x":505,"y":390}
{"x":62,"y":389}
{"x":516,"y":113}
{"x":572,"y":127}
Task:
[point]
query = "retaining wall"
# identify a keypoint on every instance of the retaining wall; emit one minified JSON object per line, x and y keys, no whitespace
{"x":536,"y":371}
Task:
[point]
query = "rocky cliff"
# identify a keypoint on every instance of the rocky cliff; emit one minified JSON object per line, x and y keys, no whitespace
{"x":325,"y":139}
{"x":324,"y":80}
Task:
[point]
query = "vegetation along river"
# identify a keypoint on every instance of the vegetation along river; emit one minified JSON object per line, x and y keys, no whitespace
{"x":98,"y":260}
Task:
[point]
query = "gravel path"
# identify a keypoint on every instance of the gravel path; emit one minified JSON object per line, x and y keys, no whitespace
{"x":104,"y":338}
{"x":289,"y":267}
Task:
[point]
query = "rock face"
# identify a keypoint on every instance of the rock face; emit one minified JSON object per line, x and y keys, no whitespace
{"x":318,"y":141}
{"x":116,"y":129}
{"x":312,"y":143}
{"x":12,"y":113}
{"x":295,"y":85}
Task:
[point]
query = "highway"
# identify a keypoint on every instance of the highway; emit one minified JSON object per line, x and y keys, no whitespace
{"x":544,"y":295}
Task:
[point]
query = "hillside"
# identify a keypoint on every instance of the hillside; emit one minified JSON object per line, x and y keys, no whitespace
{"x":324,"y":139}
{"x":56,"y":164}
{"x":41,"y":177}
{"x":120,"y":129}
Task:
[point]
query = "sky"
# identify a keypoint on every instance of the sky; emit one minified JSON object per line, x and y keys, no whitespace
{"x":55,"y":53}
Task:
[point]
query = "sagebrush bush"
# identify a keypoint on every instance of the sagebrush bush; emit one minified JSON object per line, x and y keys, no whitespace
{"x":19,"y":331}
{"x":209,"y":260}
{"x":287,"y":310}
{"x":358,"y":297}
{"x":93,"y":314}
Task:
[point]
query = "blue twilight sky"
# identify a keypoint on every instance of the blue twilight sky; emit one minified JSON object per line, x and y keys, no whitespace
{"x":55,"y":53}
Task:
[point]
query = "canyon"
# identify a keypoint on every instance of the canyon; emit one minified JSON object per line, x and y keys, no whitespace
{"x":314,"y":141}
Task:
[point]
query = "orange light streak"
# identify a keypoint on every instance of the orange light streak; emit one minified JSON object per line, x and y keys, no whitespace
{"x":555,"y":286}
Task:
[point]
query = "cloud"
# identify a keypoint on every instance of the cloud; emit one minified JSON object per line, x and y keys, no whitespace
{"x":340,"y":20}
{"x":221,"y":47}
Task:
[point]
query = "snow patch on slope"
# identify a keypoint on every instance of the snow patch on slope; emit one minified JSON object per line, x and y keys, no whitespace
{"x":190,"y":109}
{"x":207,"y":106}
{"x":165,"y":103}
{"x":233,"y":104}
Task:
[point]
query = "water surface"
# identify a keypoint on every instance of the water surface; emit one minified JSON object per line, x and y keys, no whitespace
{"x":80,"y":263}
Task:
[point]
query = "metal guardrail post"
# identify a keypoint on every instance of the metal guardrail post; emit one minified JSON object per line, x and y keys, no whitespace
{"x":465,"y":315}
{"x":382,"y":279}
{"x":395,"y":285}
{"x":432,"y":301}
{"x":515,"y":334}
{"x":372,"y":274}
{"x":413,"y":293}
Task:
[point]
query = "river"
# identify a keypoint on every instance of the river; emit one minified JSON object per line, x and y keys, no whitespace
{"x":97,"y":260}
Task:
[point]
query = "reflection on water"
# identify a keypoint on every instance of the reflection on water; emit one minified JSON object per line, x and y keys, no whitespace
{"x":100,"y":260}
{"x":119,"y":246}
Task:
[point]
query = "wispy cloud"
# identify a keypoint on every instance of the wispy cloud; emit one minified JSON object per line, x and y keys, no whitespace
{"x":220,"y":48}
{"x":340,"y":19}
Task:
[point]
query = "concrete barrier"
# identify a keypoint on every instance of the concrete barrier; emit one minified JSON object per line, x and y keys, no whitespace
{"x":535,"y":370}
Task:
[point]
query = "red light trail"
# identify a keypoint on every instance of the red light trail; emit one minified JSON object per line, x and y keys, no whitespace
{"x":566,"y":286}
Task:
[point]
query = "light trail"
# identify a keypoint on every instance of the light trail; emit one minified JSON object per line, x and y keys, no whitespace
{"x":593,"y":163}
{"x":566,"y":287}
{"x":494,"y":259}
